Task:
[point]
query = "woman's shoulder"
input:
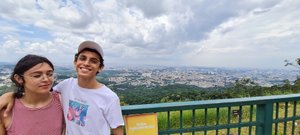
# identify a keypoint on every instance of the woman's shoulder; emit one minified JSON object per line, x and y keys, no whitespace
{"x":56,"y":95}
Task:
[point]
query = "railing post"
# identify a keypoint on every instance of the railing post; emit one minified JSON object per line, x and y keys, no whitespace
{"x":264,"y":115}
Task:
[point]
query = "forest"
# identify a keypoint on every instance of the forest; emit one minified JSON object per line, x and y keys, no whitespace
{"x":176,"y":93}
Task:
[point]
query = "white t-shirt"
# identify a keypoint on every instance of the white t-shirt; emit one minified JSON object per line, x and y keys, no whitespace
{"x":89,"y":111}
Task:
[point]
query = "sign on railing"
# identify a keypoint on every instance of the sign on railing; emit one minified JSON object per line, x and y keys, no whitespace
{"x":141,"y":124}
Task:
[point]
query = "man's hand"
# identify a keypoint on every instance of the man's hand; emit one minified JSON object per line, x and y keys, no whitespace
{"x":118,"y":131}
{"x":7,"y":102}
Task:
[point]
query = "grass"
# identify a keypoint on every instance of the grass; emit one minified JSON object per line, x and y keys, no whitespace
{"x":200,"y":121}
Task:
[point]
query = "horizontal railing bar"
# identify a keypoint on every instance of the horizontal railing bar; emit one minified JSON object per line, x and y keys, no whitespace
{"x":162,"y":107}
{"x":202,"y":128}
{"x":286,"y":119}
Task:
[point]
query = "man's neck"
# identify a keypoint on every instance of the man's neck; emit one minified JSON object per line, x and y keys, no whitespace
{"x":91,"y":83}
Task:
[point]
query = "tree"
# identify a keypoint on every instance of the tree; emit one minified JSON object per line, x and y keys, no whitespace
{"x":288,"y":63}
{"x":296,"y":87}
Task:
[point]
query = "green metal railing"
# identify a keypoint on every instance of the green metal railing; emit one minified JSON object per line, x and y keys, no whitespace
{"x":277,"y":115}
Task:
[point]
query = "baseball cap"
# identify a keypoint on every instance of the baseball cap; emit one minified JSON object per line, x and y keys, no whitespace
{"x":91,"y":45}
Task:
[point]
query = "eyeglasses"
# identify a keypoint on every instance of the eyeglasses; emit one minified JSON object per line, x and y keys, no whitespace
{"x":83,"y":58}
{"x":38,"y":77}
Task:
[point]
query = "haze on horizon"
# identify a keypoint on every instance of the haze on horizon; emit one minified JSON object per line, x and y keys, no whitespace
{"x":210,"y":33}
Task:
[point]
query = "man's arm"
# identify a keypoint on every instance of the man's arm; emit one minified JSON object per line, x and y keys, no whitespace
{"x":2,"y":125}
{"x":118,"y":131}
{"x":7,"y":101}
{"x":2,"y":129}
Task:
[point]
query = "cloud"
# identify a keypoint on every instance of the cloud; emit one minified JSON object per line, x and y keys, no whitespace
{"x":212,"y":33}
{"x":150,"y":9}
{"x":253,"y":39}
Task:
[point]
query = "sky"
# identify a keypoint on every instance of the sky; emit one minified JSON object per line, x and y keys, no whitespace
{"x":204,"y":33}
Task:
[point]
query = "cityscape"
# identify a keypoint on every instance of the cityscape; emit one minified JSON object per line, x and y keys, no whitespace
{"x":152,"y":76}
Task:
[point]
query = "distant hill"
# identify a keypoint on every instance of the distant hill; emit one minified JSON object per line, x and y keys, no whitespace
{"x":64,"y":70}
{"x":6,"y":63}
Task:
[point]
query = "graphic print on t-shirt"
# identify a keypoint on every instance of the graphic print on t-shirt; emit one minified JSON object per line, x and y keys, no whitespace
{"x":77,"y":112}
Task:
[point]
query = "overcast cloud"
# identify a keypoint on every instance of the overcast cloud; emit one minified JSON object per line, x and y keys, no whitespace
{"x":215,"y":33}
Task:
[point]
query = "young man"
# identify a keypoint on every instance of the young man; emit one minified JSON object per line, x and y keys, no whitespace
{"x":89,"y":106}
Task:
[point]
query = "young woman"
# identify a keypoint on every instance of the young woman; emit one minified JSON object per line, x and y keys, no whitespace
{"x":36,"y":110}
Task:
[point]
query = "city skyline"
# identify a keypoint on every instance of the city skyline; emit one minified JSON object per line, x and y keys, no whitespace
{"x":254,"y":34}
{"x":163,"y":76}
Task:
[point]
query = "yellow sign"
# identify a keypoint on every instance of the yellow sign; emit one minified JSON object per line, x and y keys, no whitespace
{"x":141,"y":124}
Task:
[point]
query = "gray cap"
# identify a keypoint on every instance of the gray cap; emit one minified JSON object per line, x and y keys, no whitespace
{"x":91,"y":45}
